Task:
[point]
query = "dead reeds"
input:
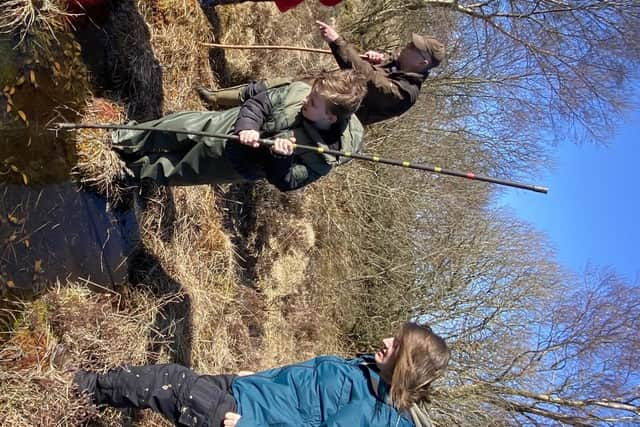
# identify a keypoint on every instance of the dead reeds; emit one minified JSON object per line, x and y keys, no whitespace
{"x":27,"y":15}
{"x":188,"y":300}
{"x":68,"y":328}
{"x":98,"y":167}
{"x":263,"y":24}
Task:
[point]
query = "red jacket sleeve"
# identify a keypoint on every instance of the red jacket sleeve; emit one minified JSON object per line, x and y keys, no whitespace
{"x":285,"y":5}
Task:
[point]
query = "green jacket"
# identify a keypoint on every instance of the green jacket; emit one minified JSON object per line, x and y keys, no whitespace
{"x":181,"y":159}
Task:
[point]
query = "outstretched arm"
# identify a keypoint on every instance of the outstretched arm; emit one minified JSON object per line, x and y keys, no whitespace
{"x":345,"y":54}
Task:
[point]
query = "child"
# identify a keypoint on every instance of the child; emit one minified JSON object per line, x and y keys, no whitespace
{"x":384,"y":389}
{"x":317,"y":115}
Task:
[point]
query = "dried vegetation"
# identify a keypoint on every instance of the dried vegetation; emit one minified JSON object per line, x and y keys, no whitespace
{"x":68,"y":328}
{"x":220,"y":280}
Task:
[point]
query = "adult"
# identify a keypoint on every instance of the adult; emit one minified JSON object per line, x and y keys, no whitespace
{"x":393,"y":84}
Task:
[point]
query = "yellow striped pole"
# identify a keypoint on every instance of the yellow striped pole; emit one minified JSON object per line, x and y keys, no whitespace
{"x":270,"y":142}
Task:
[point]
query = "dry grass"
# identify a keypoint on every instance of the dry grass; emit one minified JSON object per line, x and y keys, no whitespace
{"x":66,"y":329}
{"x":177,"y":28}
{"x":182,"y":230}
{"x":282,"y":239}
{"x":263,"y":24}
{"x":188,"y":301}
{"x":98,"y":167}
{"x":27,"y":15}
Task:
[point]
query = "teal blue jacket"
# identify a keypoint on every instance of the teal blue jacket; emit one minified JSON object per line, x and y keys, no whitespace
{"x":325,"y":391}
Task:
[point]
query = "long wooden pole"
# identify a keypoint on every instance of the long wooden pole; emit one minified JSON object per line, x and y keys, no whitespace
{"x":257,"y":46}
{"x":268,"y":47}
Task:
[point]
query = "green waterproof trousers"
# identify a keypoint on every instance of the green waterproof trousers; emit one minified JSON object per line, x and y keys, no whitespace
{"x":171,"y":158}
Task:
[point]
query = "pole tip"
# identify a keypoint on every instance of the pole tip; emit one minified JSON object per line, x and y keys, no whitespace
{"x":543,"y":190}
{"x":65,"y":125}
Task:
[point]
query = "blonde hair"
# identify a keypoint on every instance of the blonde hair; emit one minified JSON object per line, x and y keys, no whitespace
{"x":342,"y":90}
{"x":422,"y":358}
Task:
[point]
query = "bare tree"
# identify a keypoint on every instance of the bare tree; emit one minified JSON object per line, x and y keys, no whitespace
{"x":532,"y":345}
{"x":520,"y":74}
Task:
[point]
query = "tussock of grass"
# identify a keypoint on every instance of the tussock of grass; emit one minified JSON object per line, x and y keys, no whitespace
{"x":98,"y":167}
{"x":68,"y":328}
{"x":282,"y":238}
{"x":182,"y":230}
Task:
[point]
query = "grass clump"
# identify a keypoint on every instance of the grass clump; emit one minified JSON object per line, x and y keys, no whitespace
{"x":98,"y":167}
{"x":67,"y":329}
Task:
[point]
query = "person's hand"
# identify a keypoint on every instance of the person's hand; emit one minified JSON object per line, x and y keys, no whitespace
{"x":250,"y":138}
{"x":374,"y":57}
{"x":230,"y":419}
{"x":328,"y":33}
{"x":283,"y":146}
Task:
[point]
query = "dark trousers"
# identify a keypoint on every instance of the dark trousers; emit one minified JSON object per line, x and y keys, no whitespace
{"x":176,"y":392}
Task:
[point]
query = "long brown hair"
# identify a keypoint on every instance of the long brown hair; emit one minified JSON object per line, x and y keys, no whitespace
{"x":422,"y":358}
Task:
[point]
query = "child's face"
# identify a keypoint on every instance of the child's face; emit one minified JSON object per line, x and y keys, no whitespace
{"x":387,"y":356}
{"x":314,"y":108}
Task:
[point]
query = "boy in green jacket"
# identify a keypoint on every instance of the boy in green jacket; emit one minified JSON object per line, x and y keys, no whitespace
{"x":320,"y":114}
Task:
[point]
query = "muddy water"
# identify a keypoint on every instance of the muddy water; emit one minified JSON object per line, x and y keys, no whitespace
{"x":58,"y":233}
{"x":50,"y":230}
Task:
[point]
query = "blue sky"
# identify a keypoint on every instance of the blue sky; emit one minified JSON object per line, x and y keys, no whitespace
{"x":592,"y":211}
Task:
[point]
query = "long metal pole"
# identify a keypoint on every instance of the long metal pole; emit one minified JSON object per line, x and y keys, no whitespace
{"x":376,"y":159}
